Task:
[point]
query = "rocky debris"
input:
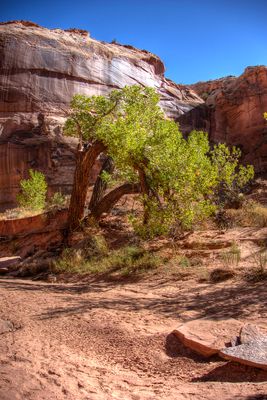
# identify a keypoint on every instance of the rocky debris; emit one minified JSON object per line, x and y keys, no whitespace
{"x":7,"y":262}
{"x":207,"y":336}
{"x":6,"y":326}
{"x":228,"y":338}
{"x":41,"y":69}
{"x":251,"y":350}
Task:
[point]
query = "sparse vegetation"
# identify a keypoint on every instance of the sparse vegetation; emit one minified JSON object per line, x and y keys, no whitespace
{"x":250,"y":214}
{"x":96,"y":259}
{"x":57,"y":202}
{"x":33,"y":192}
{"x":260,"y":259}
{"x":231,"y":257}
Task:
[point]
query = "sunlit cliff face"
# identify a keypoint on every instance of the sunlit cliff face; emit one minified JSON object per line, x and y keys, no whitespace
{"x":41,"y":70}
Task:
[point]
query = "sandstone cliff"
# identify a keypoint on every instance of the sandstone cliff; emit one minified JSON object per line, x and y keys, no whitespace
{"x":233,"y":113}
{"x":40,"y":71}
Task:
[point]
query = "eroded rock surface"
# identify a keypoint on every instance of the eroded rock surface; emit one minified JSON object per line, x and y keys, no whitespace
{"x":253,"y":354}
{"x":233,"y":113}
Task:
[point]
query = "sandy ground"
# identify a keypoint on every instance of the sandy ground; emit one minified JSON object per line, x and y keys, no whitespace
{"x":101,"y":341}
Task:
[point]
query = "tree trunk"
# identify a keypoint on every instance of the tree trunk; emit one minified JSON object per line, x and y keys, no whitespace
{"x":85,"y":160}
{"x":145,"y":190}
{"x":100,"y":185}
{"x":111,"y":198}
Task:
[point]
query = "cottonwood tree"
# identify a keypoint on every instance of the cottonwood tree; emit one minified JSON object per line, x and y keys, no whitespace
{"x":176,"y":177}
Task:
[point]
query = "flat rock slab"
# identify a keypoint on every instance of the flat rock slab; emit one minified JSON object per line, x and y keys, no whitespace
{"x":208,"y":336}
{"x":6,"y":326}
{"x":6,"y":262}
{"x":253,"y":354}
{"x":252,"y":333}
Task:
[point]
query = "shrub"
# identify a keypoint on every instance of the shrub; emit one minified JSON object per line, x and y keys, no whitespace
{"x":231,"y":257}
{"x":57,"y":201}
{"x":260,"y":259}
{"x":33,"y":191}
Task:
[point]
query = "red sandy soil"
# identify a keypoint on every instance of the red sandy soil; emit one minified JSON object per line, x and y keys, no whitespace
{"x":101,"y":340}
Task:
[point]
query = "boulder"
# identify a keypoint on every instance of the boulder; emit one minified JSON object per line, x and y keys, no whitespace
{"x":207,"y":336}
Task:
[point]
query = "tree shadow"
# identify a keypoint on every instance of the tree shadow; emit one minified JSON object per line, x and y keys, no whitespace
{"x":234,"y":373}
{"x":219,"y":300}
{"x":174,"y":348}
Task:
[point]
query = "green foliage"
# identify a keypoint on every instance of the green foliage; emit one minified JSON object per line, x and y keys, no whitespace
{"x":231,"y":175}
{"x":57,"y":201}
{"x":185,"y":177}
{"x":33,"y":191}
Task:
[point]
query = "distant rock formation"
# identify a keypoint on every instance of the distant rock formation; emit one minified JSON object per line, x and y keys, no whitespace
{"x":233,"y":113}
{"x":40,"y":71}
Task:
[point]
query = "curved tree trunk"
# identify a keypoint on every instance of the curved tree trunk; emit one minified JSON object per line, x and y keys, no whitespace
{"x":85,"y":160}
{"x":100,"y":185}
{"x":111,"y":198}
{"x":146,"y":192}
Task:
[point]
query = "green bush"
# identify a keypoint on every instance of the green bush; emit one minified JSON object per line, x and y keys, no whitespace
{"x":57,"y":201}
{"x":33,"y":191}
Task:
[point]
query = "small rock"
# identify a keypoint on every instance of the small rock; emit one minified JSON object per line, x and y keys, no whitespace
{"x":6,"y":326}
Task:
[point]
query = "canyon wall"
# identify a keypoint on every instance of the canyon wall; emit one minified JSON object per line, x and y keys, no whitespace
{"x":233,"y":113}
{"x":40,"y":71}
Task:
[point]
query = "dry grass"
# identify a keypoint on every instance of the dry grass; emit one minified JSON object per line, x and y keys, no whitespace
{"x":97,"y":259}
{"x":251,"y":214}
{"x":16,"y":213}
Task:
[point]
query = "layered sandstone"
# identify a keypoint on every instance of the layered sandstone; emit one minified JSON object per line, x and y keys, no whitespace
{"x":40,"y":71}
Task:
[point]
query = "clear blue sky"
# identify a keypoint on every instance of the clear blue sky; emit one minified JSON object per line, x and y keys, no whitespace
{"x":196,"y":39}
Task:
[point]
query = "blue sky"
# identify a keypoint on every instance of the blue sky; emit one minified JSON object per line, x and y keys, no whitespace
{"x":196,"y":39}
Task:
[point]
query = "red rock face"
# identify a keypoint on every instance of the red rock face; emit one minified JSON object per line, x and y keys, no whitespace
{"x":236,"y":107}
{"x":40,"y":71}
